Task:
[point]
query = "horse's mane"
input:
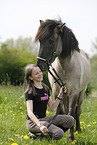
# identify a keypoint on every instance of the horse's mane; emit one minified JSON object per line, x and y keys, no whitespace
{"x":69,"y":41}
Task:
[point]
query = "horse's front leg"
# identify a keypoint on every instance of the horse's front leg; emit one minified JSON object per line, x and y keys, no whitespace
{"x":71,"y":130}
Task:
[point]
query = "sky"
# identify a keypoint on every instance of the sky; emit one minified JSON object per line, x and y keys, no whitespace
{"x":21,"y":18}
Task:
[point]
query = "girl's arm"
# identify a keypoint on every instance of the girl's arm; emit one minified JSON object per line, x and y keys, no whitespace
{"x":31,"y":114}
{"x":34,"y":118}
{"x":54,"y":105}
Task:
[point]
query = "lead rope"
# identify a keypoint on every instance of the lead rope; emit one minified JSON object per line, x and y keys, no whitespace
{"x":60,"y":83}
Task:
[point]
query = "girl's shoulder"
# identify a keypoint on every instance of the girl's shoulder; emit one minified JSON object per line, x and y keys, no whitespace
{"x":28,"y":95}
{"x":28,"y":91}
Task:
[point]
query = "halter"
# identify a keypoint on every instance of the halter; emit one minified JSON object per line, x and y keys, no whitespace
{"x":54,"y":53}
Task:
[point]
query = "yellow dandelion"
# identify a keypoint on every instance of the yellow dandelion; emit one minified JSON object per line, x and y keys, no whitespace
{"x":32,"y":134}
{"x":94,"y":122}
{"x":81,"y":128}
{"x":1,"y":143}
{"x":16,"y":105}
{"x":93,"y":131}
{"x":13,"y":114}
{"x":6,"y":109}
{"x":10,"y":111}
{"x":47,"y":112}
{"x":16,"y":102}
{"x":11,"y":139}
{"x":82,"y":122}
{"x":21,"y":107}
{"x":73,"y":142}
{"x":26,"y":137}
{"x":88,"y":125}
{"x":21,"y":112}
{"x":76,"y":132}
{"x":16,"y":135}
{"x":14,"y":144}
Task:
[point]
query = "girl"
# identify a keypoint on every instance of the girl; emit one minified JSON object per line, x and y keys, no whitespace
{"x":38,"y":97}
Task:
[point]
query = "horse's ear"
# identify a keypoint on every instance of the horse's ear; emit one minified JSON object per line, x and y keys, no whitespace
{"x":60,"y":27}
{"x":41,"y":21}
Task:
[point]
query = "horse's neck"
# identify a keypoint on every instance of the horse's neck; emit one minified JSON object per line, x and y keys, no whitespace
{"x":66,"y":63}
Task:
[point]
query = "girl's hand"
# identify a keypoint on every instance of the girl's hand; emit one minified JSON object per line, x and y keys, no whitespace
{"x":63,"y":88}
{"x":43,"y":129}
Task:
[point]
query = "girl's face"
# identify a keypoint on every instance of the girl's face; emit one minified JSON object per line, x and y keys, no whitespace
{"x":37,"y":74}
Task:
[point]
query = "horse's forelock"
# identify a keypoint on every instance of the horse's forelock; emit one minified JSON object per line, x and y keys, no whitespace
{"x":46,"y":29}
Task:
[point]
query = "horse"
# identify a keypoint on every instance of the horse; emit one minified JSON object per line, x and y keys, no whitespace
{"x":59,"y":48}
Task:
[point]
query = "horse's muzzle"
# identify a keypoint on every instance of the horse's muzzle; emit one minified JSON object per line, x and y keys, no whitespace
{"x":42,"y":65}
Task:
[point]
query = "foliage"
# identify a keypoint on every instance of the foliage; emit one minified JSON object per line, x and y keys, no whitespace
{"x":94,"y":71}
{"x":93,"y":63}
{"x":14,"y":56}
{"x":13,"y":113}
{"x":95,"y":44}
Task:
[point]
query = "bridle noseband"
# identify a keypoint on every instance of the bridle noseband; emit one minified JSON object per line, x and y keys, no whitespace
{"x":41,"y":58}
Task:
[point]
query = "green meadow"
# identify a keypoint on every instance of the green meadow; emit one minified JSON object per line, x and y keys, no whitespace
{"x":13,"y":120}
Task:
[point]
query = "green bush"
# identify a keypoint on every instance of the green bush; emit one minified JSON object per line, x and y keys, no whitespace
{"x":13,"y":60}
{"x":14,"y":56}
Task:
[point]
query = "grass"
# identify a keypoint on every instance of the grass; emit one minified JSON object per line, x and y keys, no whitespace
{"x":13,"y":121}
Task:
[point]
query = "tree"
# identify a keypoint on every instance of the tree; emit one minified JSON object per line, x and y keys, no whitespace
{"x":14,"y":56}
{"x":93,"y":63}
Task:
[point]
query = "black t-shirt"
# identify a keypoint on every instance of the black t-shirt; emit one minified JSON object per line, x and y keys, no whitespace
{"x":39,"y":101}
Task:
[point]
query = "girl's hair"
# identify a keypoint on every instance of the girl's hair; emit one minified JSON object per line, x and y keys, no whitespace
{"x":28,"y":82}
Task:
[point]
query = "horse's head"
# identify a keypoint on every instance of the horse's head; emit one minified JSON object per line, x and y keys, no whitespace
{"x":50,"y":43}
{"x":55,"y":40}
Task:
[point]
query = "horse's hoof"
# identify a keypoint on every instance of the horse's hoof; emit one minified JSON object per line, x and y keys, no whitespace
{"x":79,"y":130}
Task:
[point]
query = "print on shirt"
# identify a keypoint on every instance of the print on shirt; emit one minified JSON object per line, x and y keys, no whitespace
{"x":45,"y":97}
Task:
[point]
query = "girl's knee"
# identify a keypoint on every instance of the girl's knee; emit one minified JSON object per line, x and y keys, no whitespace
{"x":58,"y":134}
